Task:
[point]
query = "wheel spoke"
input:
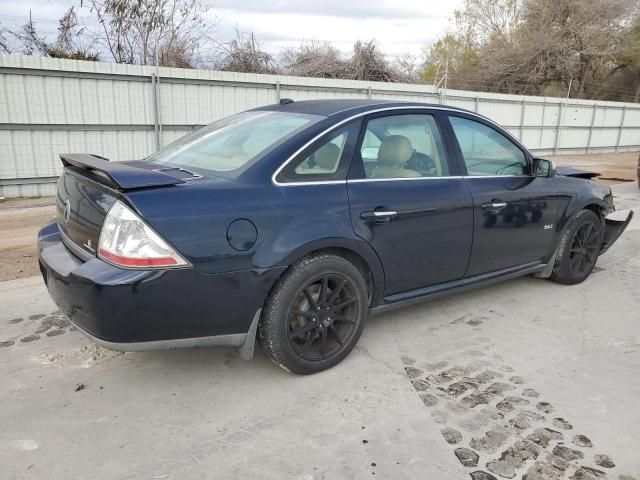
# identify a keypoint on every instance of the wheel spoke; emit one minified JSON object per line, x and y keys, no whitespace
{"x":335,"y":334}
{"x":324,"y":287}
{"x":343,"y":305}
{"x":310,"y":298}
{"x":336,"y":292}
{"x":343,"y":319}
{"x":323,"y":343}
{"x":587,"y":233}
{"x":307,"y":343}
{"x":575,"y":261}
{"x":588,"y":258}
{"x":307,"y":314}
{"x":307,"y":328}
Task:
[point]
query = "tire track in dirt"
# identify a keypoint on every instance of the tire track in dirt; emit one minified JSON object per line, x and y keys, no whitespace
{"x":501,"y":427}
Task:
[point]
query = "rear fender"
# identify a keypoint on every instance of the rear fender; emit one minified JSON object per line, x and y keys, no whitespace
{"x":357,"y":247}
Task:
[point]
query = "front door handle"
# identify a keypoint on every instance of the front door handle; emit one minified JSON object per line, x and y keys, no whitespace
{"x":379,"y":216}
{"x":494,"y":205}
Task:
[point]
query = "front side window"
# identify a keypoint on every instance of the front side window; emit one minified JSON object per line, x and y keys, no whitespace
{"x":403,"y":146}
{"x":486,"y":151}
{"x":233,"y":142}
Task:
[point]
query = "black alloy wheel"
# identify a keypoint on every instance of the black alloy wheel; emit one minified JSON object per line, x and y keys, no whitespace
{"x":315,"y":314}
{"x":584,"y":248}
{"x":579,"y":247}
{"x":323,"y":316}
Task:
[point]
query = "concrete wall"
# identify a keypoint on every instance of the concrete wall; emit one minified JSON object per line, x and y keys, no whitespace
{"x":123,"y":112}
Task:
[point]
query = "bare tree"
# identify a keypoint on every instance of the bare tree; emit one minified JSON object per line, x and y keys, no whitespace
{"x":68,"y":44}
{"x":4,"y":40}
{"x":482,"y":20}
{"x":321,"y":59}
{"x":407,"y":64}
{"x":152,"y":31}
{"x":244,"y":54}
{"x":313,"y":58}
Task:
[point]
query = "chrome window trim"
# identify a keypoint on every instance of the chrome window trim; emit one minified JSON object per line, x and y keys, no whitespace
{"x":369,"y":112}
{"x":499,"y":176}
{"x":401,"y":179}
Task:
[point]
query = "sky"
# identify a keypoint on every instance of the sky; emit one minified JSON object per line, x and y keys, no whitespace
{"x":399,"y":26}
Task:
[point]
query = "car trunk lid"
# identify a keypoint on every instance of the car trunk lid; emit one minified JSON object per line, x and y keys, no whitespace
{"x":90,"y":184}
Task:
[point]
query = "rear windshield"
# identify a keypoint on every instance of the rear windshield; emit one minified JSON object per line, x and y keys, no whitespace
{"x":233,"y":142}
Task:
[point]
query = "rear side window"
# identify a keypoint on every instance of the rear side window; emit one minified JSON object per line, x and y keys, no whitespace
{"x":326,"y":159}
{"x":486,"y":151}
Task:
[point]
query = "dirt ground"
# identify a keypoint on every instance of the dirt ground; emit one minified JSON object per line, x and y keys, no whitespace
{"x":612,"y":167}
{"x":21,"y":218}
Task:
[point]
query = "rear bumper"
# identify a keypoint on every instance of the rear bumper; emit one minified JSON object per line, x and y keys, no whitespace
{"x":612,"y":230}
{"x":149,"y":309}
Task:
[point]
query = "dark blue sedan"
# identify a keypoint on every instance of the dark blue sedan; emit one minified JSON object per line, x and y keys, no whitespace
{"x":294,"y":222}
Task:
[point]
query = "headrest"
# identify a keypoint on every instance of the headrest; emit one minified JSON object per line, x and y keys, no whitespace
{"x":327,"y":156}
{"x":395,"y":150}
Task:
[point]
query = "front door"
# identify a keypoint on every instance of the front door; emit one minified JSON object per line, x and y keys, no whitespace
{"x":514,"y":211}
{"x":409,"y":203}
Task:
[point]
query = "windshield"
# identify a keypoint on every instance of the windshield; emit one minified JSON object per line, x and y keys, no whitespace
{"x":233,"y":142}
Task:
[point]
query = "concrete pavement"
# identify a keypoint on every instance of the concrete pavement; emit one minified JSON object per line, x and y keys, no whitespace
{"x":525,"y":375}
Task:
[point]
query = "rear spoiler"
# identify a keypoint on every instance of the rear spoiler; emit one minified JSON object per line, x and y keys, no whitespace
{"x":121,"y":174}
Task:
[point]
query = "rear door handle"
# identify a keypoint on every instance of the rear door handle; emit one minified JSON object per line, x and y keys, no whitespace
{"x":379,"y":216}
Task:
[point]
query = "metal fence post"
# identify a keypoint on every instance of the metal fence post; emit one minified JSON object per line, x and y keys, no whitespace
{"x":593,"y":122}
{"x":522,"y":109}
{"x":558,"y":127}
{"x":624,"y":114}
{"x":544,"y":107}
{"x":477,"y":103}
{"x":156,"y":119}
{"x":369,"y":92}
{"x":278,"y":91}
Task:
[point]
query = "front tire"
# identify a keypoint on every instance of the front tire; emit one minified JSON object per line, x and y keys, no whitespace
{"x":314,"y":315}
{"x":579,"y":248}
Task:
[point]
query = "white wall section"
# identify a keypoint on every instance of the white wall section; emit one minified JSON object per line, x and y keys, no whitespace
{"x":122,"y":112}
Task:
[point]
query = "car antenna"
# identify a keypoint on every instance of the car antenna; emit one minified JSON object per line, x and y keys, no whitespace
{"x":284,"y":101}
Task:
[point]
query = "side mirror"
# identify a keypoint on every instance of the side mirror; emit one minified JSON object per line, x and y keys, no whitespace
{"x":544,"y":168}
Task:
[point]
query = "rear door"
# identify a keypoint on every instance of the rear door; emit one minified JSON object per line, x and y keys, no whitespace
{"x":514,"y":211}
{"x":409,"y":202}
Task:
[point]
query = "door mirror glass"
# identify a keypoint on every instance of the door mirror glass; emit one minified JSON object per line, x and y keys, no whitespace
{"x":544,"y":168}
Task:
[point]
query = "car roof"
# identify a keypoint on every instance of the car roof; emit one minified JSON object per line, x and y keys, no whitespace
{"x":331,"y":107}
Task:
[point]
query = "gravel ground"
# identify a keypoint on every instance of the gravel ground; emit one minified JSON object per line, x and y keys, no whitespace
{"x":526,"y":379}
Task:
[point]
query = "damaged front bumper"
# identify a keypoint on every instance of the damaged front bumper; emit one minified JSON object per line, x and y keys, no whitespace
{"x":613,"y":229}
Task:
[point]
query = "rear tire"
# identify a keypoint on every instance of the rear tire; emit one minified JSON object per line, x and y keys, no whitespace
{"x":315,"y":314}
{"x":579,"y":248}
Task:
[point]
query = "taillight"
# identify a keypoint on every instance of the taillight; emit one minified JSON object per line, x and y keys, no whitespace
{"x":126,"y":241}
